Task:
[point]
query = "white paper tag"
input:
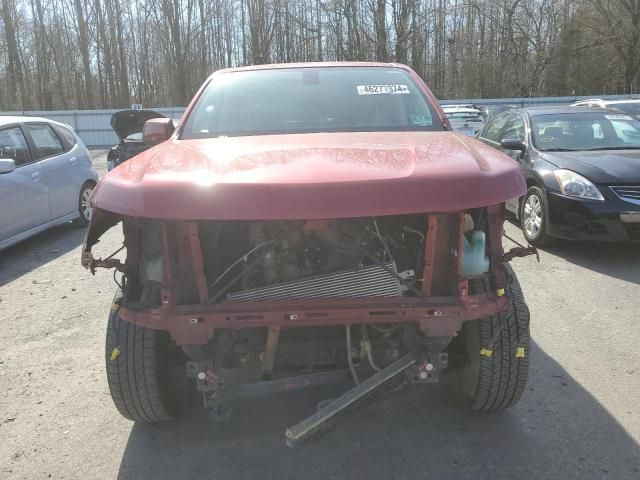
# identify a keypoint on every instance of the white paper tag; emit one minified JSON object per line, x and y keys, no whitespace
{"x":382,"y":89}
{"x":618,"y":117}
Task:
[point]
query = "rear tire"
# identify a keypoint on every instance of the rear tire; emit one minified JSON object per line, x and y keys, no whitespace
{"x":486,"y":377}
{"x":84,"y":209}
{"x":139,"y":372}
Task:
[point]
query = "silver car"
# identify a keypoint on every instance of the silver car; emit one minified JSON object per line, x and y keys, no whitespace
{"x":46,"y":177}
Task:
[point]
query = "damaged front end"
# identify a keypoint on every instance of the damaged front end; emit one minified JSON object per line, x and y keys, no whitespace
{"x":191,"y":278}
{"x":377,"y":296}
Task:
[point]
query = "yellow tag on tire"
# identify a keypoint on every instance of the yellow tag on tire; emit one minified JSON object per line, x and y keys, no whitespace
{"x":115,"y":353}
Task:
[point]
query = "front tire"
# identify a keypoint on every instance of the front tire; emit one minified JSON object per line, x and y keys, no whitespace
{"x":489,"y":359}
{"x":533,"y":217}
{"x":139,"y":371}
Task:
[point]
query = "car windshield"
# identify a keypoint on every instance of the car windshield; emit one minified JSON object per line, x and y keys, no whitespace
{"x":630,"y":108}
{"x":306,"y":100}
{"x":585,"y":131}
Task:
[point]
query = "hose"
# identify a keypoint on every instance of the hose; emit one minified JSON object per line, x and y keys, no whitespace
{"x":367,"y":347}
{"x":414,"y":231}
{"x":241,"y":259}
{"x":349,"y":359}
{"x":385,"y":331}
{"x":222,"y":291}
{"x":384,"y":244}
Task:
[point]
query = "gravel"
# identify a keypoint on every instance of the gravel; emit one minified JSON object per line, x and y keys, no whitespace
{"x":580,"y":417}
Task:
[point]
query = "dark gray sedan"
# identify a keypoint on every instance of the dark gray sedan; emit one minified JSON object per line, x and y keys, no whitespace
{"x":582,"y":167}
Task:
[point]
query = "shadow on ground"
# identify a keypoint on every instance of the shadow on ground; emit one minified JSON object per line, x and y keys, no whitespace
{"x":615,"y":259}
{"x":38,"y":250}
{"x":618,"y":260}
{"x":558,"y":431}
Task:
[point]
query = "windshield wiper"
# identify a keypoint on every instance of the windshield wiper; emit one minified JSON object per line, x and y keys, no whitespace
{"x":558,"y":149}
{"x":631,"y":147}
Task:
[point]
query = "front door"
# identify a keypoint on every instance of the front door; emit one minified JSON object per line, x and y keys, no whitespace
{"x":515,"y":129}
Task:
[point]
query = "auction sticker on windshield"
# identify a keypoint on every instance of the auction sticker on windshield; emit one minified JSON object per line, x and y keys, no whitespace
{"x":382,"y":89}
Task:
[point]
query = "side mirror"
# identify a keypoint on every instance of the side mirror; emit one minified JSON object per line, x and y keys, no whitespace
{"x":157,"y":130}
{"x":513,"y":144}
{"x":7,"y":165}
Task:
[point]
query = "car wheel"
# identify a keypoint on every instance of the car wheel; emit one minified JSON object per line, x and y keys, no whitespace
{"x":84,"y":207}
{"x":140,"y":372}
{"x":533,"y":217}
{"x":489,"y":359}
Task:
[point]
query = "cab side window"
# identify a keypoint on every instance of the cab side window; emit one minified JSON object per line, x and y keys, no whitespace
{"x":14,"y":146}
{"x":515,"y":129}
{"x":493,"y":130}
{"x":45,"y":142}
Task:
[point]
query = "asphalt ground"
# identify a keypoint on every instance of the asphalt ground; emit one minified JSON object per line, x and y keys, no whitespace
{"x":579,"y":418}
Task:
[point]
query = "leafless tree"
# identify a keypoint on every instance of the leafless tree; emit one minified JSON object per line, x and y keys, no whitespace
{"x":110,"y":53}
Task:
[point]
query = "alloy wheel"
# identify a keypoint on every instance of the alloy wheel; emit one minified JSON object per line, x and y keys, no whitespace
{"x":85,"y":205}
{"x":532,"y":217}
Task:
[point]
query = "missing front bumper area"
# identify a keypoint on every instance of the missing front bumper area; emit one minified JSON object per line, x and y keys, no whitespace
{"x":219,"y":391}
{"x":380,"y":360}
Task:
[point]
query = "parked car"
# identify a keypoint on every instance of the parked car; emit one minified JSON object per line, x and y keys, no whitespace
{"x":307,"y":223}
{"x":46,"y":177}
{"x":128,"y":126}
{"x":468,"y":121}
{"x":582,"y":167}
{"x":630,"y":106}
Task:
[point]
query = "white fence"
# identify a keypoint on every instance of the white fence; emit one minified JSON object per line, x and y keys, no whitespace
{"x":94,"y":126}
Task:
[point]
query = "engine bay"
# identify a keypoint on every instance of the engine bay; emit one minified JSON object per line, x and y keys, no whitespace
{"x":342,"y":258}
{"x":234,"y":262}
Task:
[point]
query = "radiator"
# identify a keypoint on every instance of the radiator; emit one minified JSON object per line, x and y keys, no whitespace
{"x":371,"y":281}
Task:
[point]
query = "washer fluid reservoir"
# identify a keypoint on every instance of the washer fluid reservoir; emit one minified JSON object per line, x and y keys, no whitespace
{"x":474,"y":254}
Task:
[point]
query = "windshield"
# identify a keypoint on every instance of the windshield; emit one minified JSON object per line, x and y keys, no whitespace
{"x":630,"y":108}
{"x":585,"y":131}
{"x":306,"y":100}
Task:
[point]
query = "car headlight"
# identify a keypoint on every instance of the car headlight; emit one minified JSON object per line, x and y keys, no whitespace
{"x":574,"y":185}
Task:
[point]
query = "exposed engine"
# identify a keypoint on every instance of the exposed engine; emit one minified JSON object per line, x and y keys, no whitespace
{"x":313,"y":259}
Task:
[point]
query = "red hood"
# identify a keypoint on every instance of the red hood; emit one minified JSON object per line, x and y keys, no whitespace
{"x":310,"y":176}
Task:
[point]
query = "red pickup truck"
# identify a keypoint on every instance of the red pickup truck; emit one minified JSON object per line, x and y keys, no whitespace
{"x":306,"y":224}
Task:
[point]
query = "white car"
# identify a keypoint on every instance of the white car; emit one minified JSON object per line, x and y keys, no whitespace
{"x":455,"y":106}
{"x":630,"y":106}
{"x":46,"y":177}
{"x":468,"y":121}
